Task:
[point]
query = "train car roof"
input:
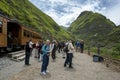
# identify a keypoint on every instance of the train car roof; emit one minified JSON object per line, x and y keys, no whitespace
{"x":3,"y":15}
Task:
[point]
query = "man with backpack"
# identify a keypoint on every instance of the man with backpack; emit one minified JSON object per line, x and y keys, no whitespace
{"x":69,"y":54}
{"x":65,"y":50}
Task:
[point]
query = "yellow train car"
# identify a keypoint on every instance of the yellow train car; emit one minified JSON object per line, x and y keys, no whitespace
{"x":13,"y":35}
{"x":3,"y":32}
{"x":28,"y":34}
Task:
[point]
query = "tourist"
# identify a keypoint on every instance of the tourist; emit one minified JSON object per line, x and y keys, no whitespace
{"x":46,"y":54}
{"x":69,"y":55}
{"x":27,"y":53}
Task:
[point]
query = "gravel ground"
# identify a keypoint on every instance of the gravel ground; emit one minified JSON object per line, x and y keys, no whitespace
{"x":5,"y":62}
{"x":84,"y":69}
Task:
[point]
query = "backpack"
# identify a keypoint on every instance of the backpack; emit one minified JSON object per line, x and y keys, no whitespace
{"x":66,"y":49}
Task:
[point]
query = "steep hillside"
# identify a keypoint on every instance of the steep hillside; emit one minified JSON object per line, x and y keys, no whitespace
{"x":114,"y":36}
{"x":26,"y":13}
{"x":92,"y":27}
{"x":65,"y":28}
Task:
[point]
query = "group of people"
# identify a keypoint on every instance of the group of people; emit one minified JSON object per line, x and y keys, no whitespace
{"x":79,"y":46}
{"x":44,"y":49}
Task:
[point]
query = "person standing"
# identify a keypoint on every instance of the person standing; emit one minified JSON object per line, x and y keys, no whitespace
{"x":64,"y":50}
{"x":69,"y":55}
{"x":54,"y":48}
{"x":27,"y":53}
{"x":36,"y":50}
{"x":40,"y":50}
{"x":46,"y":54}
{"x":77,"y":44}
{"x":31,"y":46}
{"x":59,"y":47}
{"x":81,"y":46}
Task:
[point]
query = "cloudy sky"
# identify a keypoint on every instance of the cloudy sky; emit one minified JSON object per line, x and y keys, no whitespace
{"x":66,"y":11}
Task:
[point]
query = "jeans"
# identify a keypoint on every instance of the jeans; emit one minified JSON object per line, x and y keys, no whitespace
{"x":69,"y":59}
{"x":45,"y":63}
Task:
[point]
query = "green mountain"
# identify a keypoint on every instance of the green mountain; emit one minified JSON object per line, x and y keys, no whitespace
{"x":92,"y":27}
{"x":114,"y":36}
{"x":27,"y":14}
{"x":65,"y":28}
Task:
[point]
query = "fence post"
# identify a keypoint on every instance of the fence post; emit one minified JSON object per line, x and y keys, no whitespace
{"x":88,"y":49}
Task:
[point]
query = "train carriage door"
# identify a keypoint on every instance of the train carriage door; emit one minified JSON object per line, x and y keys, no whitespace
{"x":13,"y":38}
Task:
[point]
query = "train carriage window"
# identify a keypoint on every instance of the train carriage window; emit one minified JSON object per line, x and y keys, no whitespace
{"x":31,"y":34}
{"x":0,"y":26}
{"x":25,"y":33}
{"x":28,"y":34}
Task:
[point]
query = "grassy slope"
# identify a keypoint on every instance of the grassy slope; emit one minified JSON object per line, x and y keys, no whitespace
{"x":26,"y":13}
{"x":88,"y":24}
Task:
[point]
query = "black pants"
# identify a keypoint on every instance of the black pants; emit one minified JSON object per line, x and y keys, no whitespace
{"x":69,"y":59}
{"x":27,"y":57}
{"x":81,"y":49}
{"x":53,"y":55}
{"x":59,"y":49}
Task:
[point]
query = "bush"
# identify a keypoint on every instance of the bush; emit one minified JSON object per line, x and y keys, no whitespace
{"x":117,"y":49}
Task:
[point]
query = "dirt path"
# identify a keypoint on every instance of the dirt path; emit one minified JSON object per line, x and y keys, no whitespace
{"x":84,"y":69}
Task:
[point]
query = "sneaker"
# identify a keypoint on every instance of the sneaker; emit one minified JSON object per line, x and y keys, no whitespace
{"x":47,"y":71}
{"x":43,"y":73}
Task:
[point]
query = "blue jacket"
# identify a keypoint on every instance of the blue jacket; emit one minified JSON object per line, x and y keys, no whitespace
{"x":77,"y":44}
{"x":45,"y":49}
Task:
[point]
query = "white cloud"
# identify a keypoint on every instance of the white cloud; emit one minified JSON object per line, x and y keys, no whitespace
{"x":58,"y":1}
{"x":113,"y":14}
{"x":66,"y":11}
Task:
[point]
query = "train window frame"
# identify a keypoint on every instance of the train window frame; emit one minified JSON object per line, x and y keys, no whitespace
{"x":25,"y":33}
{"x":1,"y":25}
{"x":28,"y":34}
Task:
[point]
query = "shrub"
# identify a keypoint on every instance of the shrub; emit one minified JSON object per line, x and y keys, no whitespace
{"x":117,"y":49}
